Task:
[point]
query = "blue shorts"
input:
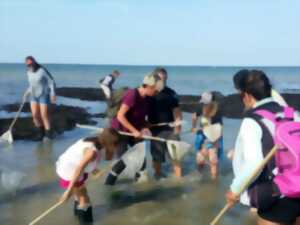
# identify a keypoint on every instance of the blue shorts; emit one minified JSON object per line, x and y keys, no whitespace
{"x":43,"y":99}
{"x":202,"y":140}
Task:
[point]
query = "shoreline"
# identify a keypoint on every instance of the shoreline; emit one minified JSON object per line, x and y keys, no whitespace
{"x":65,"y":117}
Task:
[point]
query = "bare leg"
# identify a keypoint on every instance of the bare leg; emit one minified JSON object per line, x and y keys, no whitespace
{"x":35,"y":110}
{"x":45,"y":116}
{"x":200,"y":158}
{"x":177,"y":169}
{"x":213,"y":161}
{"x":82,"y":196}
{"x":297,"y":221}
{"x":84,"y":209}
{"x":157,"y":168}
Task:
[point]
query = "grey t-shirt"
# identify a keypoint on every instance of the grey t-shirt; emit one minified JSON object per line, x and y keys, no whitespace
{"x":40,"y":83}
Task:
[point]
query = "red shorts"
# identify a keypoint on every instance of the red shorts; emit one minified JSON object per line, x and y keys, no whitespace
{"x":65,"y":183}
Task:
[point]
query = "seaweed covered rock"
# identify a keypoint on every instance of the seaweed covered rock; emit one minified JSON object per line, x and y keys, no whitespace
{"x":62,"y":118}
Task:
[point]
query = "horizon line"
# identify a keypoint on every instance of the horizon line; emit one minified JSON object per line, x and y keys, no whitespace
{"x":167,"y":65}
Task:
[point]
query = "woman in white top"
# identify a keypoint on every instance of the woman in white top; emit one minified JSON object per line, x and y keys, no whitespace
{"x":77,"y":162}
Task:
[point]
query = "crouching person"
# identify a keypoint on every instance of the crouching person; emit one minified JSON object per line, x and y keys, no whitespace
{"x":77,"y":162}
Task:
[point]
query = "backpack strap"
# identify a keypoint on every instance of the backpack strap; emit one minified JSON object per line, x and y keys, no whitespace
{"x":288,"y":113}
{"x":267,"y":115}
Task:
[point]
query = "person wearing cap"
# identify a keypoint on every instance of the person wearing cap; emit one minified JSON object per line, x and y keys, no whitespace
{"x":209,"y":115}
{"x":131,"y":118}
{"x":164,"y":109}
{"x":107,"y":82}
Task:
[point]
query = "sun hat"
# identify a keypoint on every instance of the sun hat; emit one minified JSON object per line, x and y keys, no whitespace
{"x":152,"y":79}
{"x":206,"y":97}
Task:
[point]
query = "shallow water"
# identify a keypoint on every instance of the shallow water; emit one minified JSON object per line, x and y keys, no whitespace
{"x":184,"y":79}
{"x":195,"y":199}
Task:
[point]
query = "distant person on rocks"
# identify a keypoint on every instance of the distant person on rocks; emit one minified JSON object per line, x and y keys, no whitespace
{"x":164,"y":108}
{"x":107,"y":82}
{"x":42,"y":91}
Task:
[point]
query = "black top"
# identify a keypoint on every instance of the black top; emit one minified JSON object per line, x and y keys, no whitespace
{"x":215,"y":119}
{"x":108,"y":80}
{"x":162,"y":106}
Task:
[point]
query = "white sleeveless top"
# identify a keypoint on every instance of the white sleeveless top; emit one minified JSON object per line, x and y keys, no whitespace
{"x":71,"y":158}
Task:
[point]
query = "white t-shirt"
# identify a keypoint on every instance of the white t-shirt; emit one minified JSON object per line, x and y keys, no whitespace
{"x":71,"y":158}
{"x":107,"y":80}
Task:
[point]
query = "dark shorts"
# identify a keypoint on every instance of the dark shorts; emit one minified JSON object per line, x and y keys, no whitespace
{"x":284,"y":211}
{"x":125,"y":143}
{"x":159,"y":149}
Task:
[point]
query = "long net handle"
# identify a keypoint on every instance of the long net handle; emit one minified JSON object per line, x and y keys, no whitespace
{"x":247,"y":182}
{"x":123,"y":133}
{"x":19,"y":111}
{"x":46,"y":213}
{"x":160,"y":124}
{"x":220,"y":215}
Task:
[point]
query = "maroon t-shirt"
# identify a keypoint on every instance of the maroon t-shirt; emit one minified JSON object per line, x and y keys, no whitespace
{"x":137,"y":113}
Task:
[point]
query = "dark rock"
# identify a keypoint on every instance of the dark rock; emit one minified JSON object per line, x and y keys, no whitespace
{"x":66,"y":117}
{"x":231,"y":106}
{"x":62,"y":118}
{"x":88,"y":94}
{"x":293,"y":100}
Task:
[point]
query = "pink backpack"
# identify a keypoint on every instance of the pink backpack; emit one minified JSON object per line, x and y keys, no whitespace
{"x":286,"y":134}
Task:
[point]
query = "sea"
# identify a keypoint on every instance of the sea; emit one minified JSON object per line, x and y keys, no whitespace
{"x":29,"y":184}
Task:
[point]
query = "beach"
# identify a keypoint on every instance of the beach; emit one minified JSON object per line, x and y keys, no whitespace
{"x":194,"y":200}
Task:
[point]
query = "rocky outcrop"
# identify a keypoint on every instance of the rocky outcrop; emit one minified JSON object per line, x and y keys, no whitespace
{"x":88,"y":94}
{"x":66,"y":117}
{"x":62,"y":118}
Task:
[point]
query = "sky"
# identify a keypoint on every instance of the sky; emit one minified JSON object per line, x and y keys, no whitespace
{"x":156,"y":32}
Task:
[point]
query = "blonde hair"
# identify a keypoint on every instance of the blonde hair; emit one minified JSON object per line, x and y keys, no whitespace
{"x":210,"y":110}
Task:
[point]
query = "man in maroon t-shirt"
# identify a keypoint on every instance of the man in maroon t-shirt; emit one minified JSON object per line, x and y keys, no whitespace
{"x":131,"y":117}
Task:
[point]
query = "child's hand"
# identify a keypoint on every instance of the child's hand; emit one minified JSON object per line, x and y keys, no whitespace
{"x":66,"y":195}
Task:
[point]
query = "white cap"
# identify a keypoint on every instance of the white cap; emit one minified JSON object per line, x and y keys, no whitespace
{"x":206,"y":97}
{"x":152,"y":80}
